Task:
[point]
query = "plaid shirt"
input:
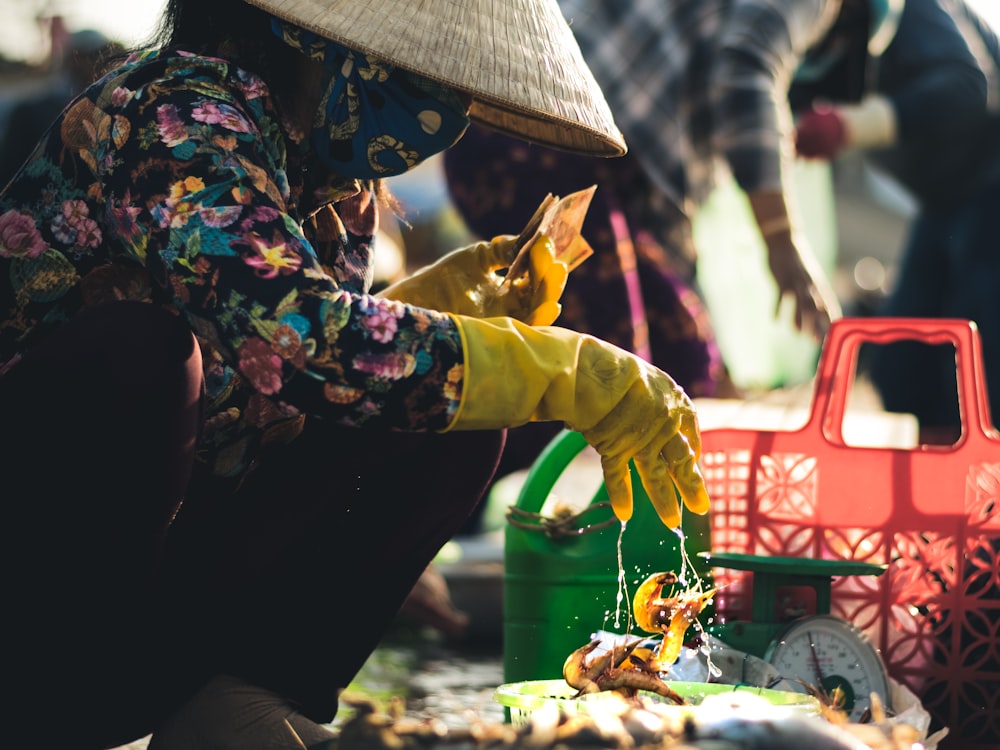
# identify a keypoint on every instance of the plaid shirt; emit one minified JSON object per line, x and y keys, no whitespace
{"x":696,"y":82}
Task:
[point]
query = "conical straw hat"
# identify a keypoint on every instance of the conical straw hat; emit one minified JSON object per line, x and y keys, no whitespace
{"x":516,"y":58}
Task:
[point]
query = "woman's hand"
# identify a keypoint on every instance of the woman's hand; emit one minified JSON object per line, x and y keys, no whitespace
{"x":470,"y":281}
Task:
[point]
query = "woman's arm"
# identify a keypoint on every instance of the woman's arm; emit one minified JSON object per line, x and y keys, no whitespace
{"x":209,"y":199}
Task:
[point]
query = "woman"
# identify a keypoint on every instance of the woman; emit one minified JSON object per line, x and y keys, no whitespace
{"x":185,"y":264}
{"x":638,"y":289}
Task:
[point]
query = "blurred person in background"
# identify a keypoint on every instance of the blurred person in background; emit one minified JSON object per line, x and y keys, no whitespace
{"x":632,"y":291}
{"x":76,"y":58}
{"x":927,"y":113}
{"x":696,"y":86}
{"x":226,"y":461}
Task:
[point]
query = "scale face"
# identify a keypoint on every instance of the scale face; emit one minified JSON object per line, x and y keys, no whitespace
{"x":827,"y":652}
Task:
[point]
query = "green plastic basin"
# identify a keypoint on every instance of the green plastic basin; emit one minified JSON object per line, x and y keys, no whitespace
{"x":521,"y":699}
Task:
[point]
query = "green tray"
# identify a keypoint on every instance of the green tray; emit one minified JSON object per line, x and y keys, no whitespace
{"x":521,"y":699}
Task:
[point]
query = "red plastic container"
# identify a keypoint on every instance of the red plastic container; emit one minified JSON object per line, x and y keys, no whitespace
{"x":931,"y":513}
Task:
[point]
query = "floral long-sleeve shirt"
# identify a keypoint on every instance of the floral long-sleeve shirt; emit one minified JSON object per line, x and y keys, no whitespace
{"x":174,"y":181}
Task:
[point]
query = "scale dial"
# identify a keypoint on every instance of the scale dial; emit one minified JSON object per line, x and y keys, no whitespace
{"x":830,"y":653}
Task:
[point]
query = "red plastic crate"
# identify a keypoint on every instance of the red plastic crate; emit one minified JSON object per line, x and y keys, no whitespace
{"x":931,"y":513}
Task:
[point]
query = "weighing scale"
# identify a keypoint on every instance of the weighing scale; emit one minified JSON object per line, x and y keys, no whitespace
{"x":819,"y":650}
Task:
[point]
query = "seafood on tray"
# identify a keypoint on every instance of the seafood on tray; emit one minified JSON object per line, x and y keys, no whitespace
{"x":632,"y":666}
{"x":735,"y":721}
{"x":619,"y":669}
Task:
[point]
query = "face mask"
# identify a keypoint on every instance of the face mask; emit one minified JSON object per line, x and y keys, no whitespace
{"x":375,"y":120}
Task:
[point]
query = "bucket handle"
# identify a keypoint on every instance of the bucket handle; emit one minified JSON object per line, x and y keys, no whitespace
{"x":547,"y":468}
{"x":544,"y":472}
{"x":541,"y":478}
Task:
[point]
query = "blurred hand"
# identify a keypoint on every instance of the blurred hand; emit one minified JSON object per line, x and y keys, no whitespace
{"x":798,"y":275}
{"x":820,"y":133}
{"x":793,"y":265}
{"x":430,"y":604}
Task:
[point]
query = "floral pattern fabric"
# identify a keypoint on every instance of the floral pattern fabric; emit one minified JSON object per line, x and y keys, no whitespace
{"x":174,"y":180}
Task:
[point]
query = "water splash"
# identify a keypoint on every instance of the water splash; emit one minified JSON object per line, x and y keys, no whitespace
{"x":622,"y":593}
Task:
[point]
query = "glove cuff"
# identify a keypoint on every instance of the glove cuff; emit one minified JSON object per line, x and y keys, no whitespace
{"x":514,"y":373}
{"x":870,"y":124}
{"x":457,"y":321}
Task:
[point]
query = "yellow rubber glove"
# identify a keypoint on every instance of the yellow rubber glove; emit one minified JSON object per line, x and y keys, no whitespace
{"x":467,"y":282}
{"x":623,"y":406}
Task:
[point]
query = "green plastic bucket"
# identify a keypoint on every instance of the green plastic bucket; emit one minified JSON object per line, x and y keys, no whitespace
{"x":560,"y":588}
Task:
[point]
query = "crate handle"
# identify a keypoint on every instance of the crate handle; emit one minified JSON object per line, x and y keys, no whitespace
{"x":838,"y":363}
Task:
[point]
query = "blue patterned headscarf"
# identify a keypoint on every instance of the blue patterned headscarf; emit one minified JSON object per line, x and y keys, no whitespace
{"x":375,"y":119}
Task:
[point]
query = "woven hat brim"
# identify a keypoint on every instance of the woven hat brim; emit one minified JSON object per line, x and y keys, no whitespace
{"x":518,"y":60}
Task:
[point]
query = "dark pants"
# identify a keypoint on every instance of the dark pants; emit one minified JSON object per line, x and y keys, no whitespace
{"x":950,"y":268}
{"x":121,"y":601}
